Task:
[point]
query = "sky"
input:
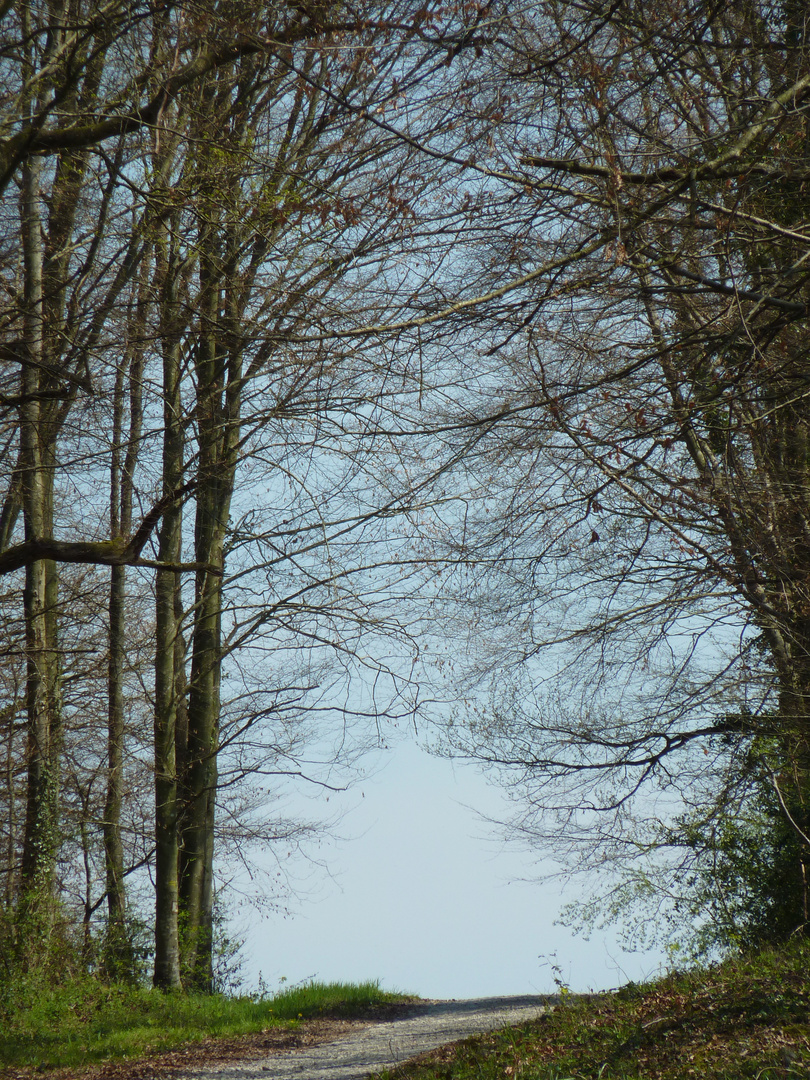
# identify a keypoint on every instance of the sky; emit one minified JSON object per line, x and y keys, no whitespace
{"x":424,"y":898}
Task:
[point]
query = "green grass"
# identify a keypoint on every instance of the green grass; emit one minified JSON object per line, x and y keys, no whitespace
{"x":747,"y":1019}
{"x":333,"y":999}
{"x":84,"y":1022}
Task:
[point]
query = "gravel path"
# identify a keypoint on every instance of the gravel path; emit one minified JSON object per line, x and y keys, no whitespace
{"x":381,"y":1046}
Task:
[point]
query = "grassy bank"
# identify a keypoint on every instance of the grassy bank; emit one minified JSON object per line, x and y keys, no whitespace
{"x":748,"y":1019}
{"x":84,"y":1022}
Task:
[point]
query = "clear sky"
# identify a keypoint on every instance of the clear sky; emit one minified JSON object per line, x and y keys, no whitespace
{"x":426,"y":900}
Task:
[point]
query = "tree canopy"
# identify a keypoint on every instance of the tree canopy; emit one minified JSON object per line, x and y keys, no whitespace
{"x":336,"y":334}
{"x":635,"y":543}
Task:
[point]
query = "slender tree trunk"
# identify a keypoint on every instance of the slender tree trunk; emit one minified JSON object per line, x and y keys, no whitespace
{"x":113,"y":847}
{"x":167,"y":943}
{"x":121,"y":497}
{"x":12,"y":755}
{"x":218,"y":380}
{"x":41,"y":584}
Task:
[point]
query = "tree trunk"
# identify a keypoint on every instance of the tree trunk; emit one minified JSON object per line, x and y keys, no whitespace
{"x":40,"y":840}
{"x":218,"y":383}
{"x":119,"y":956}
{"x":167,"y":944}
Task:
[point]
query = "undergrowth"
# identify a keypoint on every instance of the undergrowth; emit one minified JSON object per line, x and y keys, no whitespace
{"x":746,"y":1019}
{"x":84,"y":1021}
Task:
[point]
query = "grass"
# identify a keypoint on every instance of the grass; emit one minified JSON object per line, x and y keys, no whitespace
{"x":332,"y":999}
{"x":747,"y":1019}
{"x":84,"y":1022}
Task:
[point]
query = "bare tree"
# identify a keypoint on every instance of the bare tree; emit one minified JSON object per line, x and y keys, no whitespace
{"x":215,"y":212}
{"x":633,"y":541}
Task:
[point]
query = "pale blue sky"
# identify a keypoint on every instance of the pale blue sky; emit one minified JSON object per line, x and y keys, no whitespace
{"x":425,"y":901}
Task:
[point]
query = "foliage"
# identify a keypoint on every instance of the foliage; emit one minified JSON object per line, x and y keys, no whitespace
{"x":126,"y":950}
{"x":227,"y":955}
{"x":744,"y":885}
{"x":728,"y":876}
{"x":746,"y":1018}
{"x":31,"y":951}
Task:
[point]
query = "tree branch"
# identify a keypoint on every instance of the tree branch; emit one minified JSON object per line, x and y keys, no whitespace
{"x":117,"y":552}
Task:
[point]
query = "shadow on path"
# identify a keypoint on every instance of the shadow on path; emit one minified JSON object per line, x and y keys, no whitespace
{"x":381,"y":1046}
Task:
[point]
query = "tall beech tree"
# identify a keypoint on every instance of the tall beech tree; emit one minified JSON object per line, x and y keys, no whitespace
{"x":644,"y":552}
{"x":305,"y":303}
{"x":213,"y":213}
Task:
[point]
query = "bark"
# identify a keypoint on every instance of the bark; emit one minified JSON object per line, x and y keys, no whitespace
{"x":39,"y":594}
{"x":167,"y":948}
{"x":113,"y":847}
{"x":44,"y":404}
{"x":121,"y":502}
{"x":219,"y":374}
{"x":167,"y":943}
{"x":12,"y":755}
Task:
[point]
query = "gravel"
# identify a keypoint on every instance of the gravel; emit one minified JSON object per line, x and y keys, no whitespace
{"x":384,"y":1045}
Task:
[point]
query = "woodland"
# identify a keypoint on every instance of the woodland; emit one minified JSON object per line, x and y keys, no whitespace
{"x":366,"y":364}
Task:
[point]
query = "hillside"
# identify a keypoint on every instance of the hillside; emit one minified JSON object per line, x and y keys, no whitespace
{"x":746,"y":1018}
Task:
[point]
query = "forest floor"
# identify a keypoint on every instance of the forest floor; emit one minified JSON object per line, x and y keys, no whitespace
{"x":745,"y":1019}
{"x":329,"y":1048}
{"x":163,"y":1065}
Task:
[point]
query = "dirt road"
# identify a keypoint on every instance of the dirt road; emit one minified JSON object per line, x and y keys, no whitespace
{"x":381,"y":1046}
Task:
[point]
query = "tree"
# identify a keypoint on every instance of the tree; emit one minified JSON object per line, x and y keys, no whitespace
{"x":634,"y":539}
{"x":211,"y":222}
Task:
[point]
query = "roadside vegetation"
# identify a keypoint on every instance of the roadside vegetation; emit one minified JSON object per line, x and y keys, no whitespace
{"x":745,"y":1018}
{"x":84,"y":1022}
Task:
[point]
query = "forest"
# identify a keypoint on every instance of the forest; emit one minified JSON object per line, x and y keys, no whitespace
{"x":364,"y":364}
